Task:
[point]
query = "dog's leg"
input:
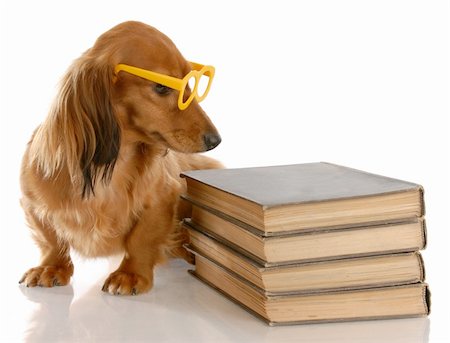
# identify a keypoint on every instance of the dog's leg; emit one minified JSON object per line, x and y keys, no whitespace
{"x":56,"y":266}
{"x":144,"y":248}
{"x":175,"y":247}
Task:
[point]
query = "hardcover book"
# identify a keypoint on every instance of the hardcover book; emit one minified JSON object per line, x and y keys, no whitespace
{"x":409,"y":235}
{"x":304,"y":196}
{"x":350,"y":273}
{"x":402,"y":301}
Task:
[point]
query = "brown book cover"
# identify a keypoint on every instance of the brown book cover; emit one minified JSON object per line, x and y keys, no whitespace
{"x":304,"y":196}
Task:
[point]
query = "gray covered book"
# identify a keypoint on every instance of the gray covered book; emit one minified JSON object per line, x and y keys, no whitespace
{"x":303,"y":197}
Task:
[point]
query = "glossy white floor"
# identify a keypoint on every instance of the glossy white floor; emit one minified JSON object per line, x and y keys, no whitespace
{"x":178,"y":309}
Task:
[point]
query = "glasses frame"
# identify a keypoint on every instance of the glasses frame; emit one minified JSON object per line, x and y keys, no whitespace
{"x":198,"y":70}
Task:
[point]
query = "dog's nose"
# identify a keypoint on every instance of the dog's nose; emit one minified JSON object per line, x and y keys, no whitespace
{"x":211,"y":140}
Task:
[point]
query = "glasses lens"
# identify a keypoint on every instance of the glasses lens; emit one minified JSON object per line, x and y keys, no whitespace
{"x":191,"y":83}
{"x":203,"y":86}
{"x":187,"y":94}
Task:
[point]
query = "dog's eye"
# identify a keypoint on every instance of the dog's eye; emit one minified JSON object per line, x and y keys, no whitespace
{"x":162,"y":90}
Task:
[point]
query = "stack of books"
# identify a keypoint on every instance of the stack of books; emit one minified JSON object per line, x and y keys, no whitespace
{"x":312,"y":242}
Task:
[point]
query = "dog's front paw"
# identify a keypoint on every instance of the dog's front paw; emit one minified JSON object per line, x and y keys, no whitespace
{"x":122,"y":283}
{"x":47,"y":276}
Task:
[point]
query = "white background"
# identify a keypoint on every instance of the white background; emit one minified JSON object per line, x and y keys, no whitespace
{"x":359,"y":83}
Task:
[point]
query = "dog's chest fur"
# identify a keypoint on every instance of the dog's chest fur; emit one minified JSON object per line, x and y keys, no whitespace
{"x":97,"y":226}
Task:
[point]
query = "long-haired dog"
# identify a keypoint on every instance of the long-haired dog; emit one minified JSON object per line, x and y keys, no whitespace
{"x":101,"y":174}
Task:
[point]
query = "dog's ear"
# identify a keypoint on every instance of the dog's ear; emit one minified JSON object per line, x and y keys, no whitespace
{"x":91,"y":131}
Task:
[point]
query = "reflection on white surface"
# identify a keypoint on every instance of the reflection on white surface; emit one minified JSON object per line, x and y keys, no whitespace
{"x":179,"y":309}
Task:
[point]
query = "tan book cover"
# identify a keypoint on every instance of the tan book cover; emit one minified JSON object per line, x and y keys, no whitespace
{"x":402,"y":301}
{"x":312,"y":246}
{"x":304,"y":196}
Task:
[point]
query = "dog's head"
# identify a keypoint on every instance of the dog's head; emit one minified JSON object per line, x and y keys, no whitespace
{"x":147,"y":107}
{"x":104,"y":108}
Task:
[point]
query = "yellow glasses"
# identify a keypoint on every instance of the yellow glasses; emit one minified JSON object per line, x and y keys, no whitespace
{"x":194,"y":78}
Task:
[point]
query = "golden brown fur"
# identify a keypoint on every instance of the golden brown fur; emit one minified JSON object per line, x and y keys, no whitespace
{"x":101,"y":174}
